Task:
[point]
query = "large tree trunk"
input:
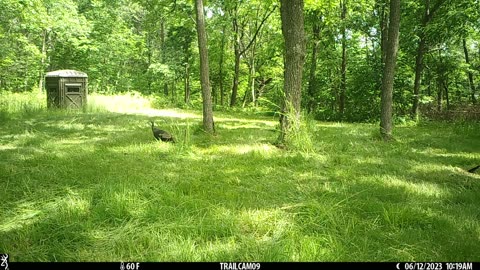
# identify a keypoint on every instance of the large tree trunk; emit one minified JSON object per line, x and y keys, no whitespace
{"x":294,"y":35}
{"x":383,"y":31}
{"x":208,"y":124}
{"x":312,"y":81}
{"x":343,"y":81}
{"x":470,"y":74}
{"x":389,"y":70}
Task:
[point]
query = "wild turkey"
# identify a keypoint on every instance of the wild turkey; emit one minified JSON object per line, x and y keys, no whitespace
{"x":472,"y":170}
{"x":161,"y":134}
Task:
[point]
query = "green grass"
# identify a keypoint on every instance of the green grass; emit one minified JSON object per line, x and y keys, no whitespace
{"x":95,"y":186}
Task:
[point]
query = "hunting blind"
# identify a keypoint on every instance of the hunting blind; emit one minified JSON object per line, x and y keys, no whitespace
{"x":66,"y":89}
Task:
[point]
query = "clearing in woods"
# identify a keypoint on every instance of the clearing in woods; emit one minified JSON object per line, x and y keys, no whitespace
{"x":97,"y":186}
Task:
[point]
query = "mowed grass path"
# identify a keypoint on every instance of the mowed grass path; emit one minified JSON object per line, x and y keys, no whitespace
{"x":98,"y":187}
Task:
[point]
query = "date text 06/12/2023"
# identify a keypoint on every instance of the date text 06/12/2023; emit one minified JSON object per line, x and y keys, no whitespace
{"x":436,"y":266}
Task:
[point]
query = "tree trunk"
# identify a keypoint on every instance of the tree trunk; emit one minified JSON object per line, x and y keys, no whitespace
{"x":383,"y":29}
{"x":293,"y":33}
{"x":428,"y":15}
{"x":208,"y":124}
{"x":252,"y":74}
{"x":252,"y":77}
{"x":174,"y":88}
{"x":162,"y":59}
{"x":439,"y":94}
{"x":187,"y":84}
{"x":418,"y":75}
{"x":220,"y":66}
{"x":261,"y":88}
{"x":42,"y":60}
{"x":236,"y":49}
{"x":470,"y":74}
{"x":419,"y":61}
{"x":236,"y":74}
{"x":312,"y":81}
{"x":429,"y":87}
{"x":389,"y":70}
{"x":343,"y":81}
{"x":148,"y":44}
{"x":165,"y":88}
{"x":214,"y":90}
{"x":445,"y":87}
{"x":239,"y":52}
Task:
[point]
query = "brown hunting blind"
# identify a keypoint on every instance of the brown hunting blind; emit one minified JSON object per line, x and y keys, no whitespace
{"x":66,"y":89}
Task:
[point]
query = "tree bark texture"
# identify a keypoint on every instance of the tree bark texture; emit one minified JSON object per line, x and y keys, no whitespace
{"x":470,"y":74}
{"x":208,"y":124}
{"x":389,"y":70}
{"x":294,"y":35}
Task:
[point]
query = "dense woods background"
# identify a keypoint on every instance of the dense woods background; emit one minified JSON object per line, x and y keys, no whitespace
{"x":96,"y":185}
{"x":151,"y":47}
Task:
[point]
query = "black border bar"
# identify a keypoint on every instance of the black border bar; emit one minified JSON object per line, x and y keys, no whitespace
{"x":245,"y":265}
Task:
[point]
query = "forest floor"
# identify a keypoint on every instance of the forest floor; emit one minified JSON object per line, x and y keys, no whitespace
{"x":96,"y":186}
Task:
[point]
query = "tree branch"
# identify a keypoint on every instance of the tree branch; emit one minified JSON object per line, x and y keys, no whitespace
{"x":258,"y":29}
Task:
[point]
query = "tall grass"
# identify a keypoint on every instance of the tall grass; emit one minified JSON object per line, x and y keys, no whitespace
{"x":34,"y":102}
{"x":96,"y":186}
{"x":301,"y":128}
{"x":22,"y":103}
{"x":123,"y":103}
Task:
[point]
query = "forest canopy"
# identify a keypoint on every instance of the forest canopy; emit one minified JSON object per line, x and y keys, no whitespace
{"x":150,"y":47}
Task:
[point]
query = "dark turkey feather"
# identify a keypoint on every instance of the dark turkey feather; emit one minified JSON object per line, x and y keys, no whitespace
{"x":472,"y":170}
{"x":162,"y":135}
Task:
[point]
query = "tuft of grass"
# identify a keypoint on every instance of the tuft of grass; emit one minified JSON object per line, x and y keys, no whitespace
{"x":95,"y":186}
{"x":300,"y":137}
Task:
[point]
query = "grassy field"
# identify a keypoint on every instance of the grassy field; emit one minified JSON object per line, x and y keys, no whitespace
{"x":95,"y":186}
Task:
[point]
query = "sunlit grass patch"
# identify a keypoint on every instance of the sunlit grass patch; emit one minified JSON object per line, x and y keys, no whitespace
{"x":264,"y":225}
{"x":22,"y":103}
{"x":122,"y":103}
{"x":24,"y":215}
{"x":264,"y":150}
